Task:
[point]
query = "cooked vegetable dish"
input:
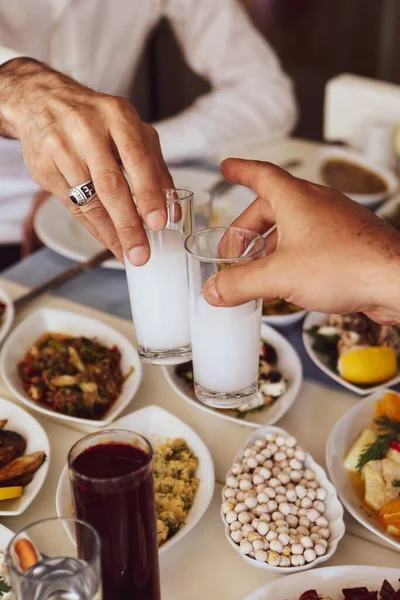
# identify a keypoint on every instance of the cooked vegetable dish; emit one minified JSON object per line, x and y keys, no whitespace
{"x":387,"y":592}
{"x":75,"y":376}
{"x":16,"y":468}
{"x":279,"y":307}
{"x":175,"y":485}
{"x":271,"y":383}
{"x":373,"y":464}
{"x":351,"y":178}
{"x":356,"y":347}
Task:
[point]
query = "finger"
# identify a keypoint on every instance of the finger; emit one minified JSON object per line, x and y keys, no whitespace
{"x":269,"y":181}
{"x":142,"y":164}
{"x":263,"y":278}
{"x":59,"y":186}
{"x":259,"y":217}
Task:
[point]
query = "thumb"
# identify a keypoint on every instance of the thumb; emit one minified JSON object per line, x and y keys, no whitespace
{"x":262,"y":278}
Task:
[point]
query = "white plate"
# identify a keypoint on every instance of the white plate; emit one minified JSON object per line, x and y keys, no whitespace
{"x":343,"y":435}
{"x":6,"y":535}
{"x":45,"y":320}
{"x":328,"y":581}
{"x":289,"y":364}
{"x":156,"y":424}
{"x":315,"y":318}
{"x":62,"y":233}
{"x":388,"y":176}
{"x":334,"y":510}
{"x":284,"y":320}
{"x":36,"y":440}
{"x":9,"y":316}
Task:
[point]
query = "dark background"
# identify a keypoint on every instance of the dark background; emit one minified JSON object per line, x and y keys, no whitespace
{"x":315,"y":40}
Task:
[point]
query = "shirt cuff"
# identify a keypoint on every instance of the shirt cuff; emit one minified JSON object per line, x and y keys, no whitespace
{"x":7,"y":54}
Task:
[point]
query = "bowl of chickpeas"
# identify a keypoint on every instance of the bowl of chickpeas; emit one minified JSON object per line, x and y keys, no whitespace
{"x":280,"y":511}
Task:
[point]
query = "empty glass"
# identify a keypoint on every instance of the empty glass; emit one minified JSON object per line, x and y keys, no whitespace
{"x":225,"y":340}
{"x":45,"y":565}
{"x":159,"y":291}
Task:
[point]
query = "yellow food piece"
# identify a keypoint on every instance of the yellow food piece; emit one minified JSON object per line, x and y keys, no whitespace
{"x":366,"y":439}
{"x":9,"y":493}
{"x":378,"y":476}
{"x":368,"y":365}
{"x":389,"y":406}
{"x":390,"y":515}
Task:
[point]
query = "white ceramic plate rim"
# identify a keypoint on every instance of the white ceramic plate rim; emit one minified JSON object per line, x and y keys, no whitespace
{"x":39,"y":477}
{"x":207,"y":482}
{"x":6,"y":535}
{"x":386,"y":209}
{"x":292,"y":586}
{"x":315,"y":318}
{"x":276,"y":339}
{"x":119,"y":405}
{"x":357,"y":158}
{"x":332,"y":448}
{"x":324,"y":482}
{"x":9,"y":316}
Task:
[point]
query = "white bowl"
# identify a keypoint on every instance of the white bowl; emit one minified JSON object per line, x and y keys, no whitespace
{"x":334,"y":510}
{"x":389,"y":208}
{"x":9,"y":316}
{"x":392,"y":183}
{"x":328,"y":581}
{"x":156,"y":424}
{"x":23,"y":423}
{"x":343,"y":435}
{"x":289,"y":364}
{"x":284,"y":320}
{"x":315,"y":318}
{"x":45,"y":320}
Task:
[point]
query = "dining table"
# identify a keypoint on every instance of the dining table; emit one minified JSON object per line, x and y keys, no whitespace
{"x":202,"y":564}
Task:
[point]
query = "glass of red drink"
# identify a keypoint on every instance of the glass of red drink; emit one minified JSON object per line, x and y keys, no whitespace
{"x":111,"y":476}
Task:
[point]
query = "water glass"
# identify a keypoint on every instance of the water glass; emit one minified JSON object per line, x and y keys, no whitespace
{"x":159,"y":292}
{"x":111,"y":477}
{"x":225,"y":340}
{"x":45,"y":565}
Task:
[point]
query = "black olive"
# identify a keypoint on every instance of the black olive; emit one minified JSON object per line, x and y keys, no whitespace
{"x":269,"y":353}
{"x":274,"y":376}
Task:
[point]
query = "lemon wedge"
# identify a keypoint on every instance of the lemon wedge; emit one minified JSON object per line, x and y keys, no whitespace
{"x":9,"y":493}
{"x":368,"y":365}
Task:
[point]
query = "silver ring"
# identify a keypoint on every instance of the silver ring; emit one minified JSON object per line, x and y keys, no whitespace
{"x":82,"y":194}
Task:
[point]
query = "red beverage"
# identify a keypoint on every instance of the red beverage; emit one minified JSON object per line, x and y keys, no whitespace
{"x":113,"y":490}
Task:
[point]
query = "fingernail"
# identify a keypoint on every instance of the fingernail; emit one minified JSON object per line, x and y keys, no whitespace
{"x":138,"y":255}
{"x":211,"y":290}
{"x":155,"y":220}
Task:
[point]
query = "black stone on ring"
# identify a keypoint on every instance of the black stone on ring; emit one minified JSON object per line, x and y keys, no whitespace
{"x":82,"y":194}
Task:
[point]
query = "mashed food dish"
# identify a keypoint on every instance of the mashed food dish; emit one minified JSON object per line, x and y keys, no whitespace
{"x":175,"y":485}
{"x":5,"y":589}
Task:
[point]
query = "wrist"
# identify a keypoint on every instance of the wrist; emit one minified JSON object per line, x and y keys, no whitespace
{"x":385,"y":287}
{"x":18,"y":78}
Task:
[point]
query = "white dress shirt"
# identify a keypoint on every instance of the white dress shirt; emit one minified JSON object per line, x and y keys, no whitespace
{"x":100,"y":42}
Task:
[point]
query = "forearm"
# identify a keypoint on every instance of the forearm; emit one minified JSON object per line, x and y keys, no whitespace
{"x":21,"y":79}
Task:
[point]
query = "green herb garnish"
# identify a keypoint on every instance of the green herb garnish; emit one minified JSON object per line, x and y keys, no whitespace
{"x":4,"y":588}
{"x":379,"y":448}
{"x":326,"y":345}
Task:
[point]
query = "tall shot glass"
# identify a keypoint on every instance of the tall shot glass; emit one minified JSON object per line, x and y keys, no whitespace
{"x":159,"y":290}
{"x":225,"y":340}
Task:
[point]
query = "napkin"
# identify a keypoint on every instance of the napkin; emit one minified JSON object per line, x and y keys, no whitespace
{"x":353,"y":104}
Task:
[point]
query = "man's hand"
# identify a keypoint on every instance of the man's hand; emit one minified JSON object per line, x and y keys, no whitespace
{"x":327,"y":254}
{"x":71,"y":134}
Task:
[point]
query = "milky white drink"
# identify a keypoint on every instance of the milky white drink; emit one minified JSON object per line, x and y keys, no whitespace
{"x":159,"y":293}
{"x":225,"y":345}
